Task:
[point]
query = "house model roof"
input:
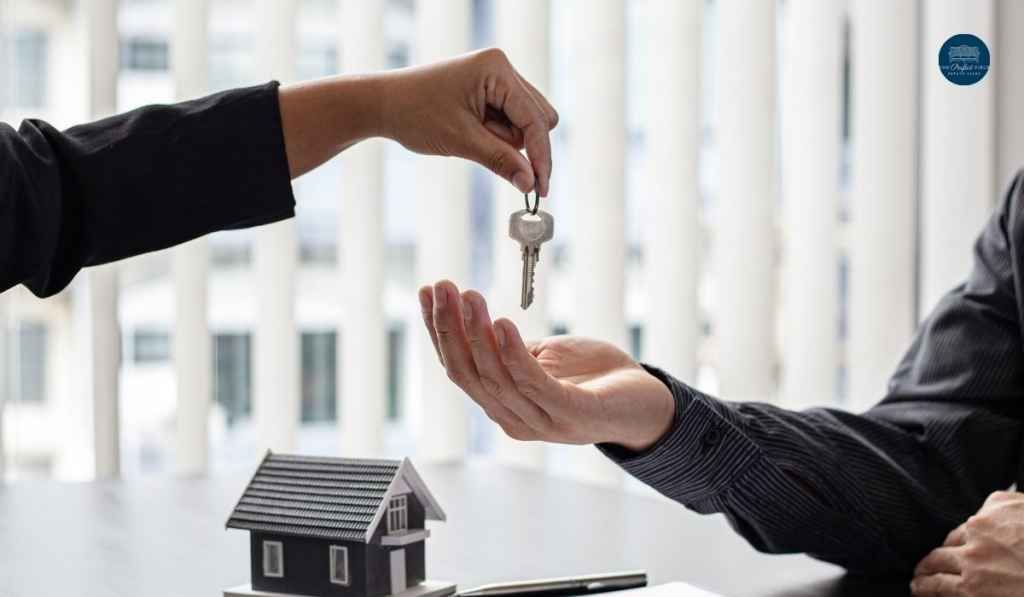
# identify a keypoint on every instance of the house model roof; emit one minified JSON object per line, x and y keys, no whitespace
{"x":326,"y":498}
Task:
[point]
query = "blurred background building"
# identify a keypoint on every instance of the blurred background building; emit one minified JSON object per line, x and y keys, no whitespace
{"x":761,"y":197}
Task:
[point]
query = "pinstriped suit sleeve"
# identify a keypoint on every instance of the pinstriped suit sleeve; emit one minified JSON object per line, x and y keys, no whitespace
{"x":872,"y":492}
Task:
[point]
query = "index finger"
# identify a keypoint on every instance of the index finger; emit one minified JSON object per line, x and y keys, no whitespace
{"x":513,"y":98}
{"x":530,"y":379}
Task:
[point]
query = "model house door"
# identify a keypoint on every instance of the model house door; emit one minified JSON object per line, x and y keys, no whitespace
{"x":397,"y":571}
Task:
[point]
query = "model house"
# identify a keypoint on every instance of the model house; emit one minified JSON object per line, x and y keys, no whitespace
{"x":337,"y":526}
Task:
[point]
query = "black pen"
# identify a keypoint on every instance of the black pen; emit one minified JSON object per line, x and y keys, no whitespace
{"x":573,"y":585}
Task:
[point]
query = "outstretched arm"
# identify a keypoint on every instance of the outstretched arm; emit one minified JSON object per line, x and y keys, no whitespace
{"x":163,"y":175}
{"x":872,"y":492}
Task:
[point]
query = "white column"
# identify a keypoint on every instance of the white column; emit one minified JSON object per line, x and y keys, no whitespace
{"x":745,"y":242}
{"x":192,"y":351}
{"x":598,"y":153}
{"x":102,"y":345}
{"x":672,"y":254}
{"x":277,"y":388}
{"x":958,"y":150}
{"x":881,"y":312}
{"x":5,"y":372}
{"x":362,"y":360}
{"x":5,"y":356}
{"x":529,"y":49}
{"x":1009,"y":51}
{"x":811,"y":128}
{"x":443,"y":244}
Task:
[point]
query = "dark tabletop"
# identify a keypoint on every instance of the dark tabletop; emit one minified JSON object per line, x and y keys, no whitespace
{"x":165,"y":536}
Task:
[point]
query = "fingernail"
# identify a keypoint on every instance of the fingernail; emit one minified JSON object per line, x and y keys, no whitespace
{"x":440,"y":295}
{"x":467,"y":310}
{"x":521,"y":181}
{"x":500,"y":334}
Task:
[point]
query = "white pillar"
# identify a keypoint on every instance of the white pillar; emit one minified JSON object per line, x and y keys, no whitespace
{"x":5,"y":372}
{"x":811,"y":128}
{"x":277,"y":387}
{"x":5,"y":359}
{"x":362,"y":360}
{"x":958,"y":150}
{"x":443,"y":244}
{"x":529,"y":49}
{"x":1009,"y":91}
{"x":672,"y":254}
{"x":745,"y":242}
{"x":192,"y":344}
{"x":598,"y":154}
{"x":881,"y":312}
{"x":102,"y":345}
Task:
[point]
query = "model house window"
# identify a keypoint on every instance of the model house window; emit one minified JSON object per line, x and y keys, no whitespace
{"x":339,"y":565}
{"x":273,"y":559}
{"x":398,"y":514}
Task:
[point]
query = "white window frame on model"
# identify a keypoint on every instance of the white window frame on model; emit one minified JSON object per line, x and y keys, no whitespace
{"x":343,"y":577}
{"x":268,"y":550}
{"x":398,"y":514}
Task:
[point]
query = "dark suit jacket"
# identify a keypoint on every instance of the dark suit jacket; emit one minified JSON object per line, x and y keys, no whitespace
{"x":873,"y":492}
{"x":137,"y":182}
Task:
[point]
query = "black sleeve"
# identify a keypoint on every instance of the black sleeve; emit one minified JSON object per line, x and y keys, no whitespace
{"x":137,"y":182}
{"x":872,"y":492}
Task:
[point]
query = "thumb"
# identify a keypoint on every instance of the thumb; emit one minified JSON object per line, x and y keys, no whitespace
{"x":498,"y":156}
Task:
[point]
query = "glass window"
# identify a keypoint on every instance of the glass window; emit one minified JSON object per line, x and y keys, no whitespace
{"x":29,"y":69}
{"x":273,"y":559}
{"x":30,"y":363}
{"x":319,"y":376}
{"x":396,"y":346}
{"x":146,"y":54}
{"x":339,"y":565}
{"x":232,"y":374}
{"x":636,"y":341}
{"x":149,"y":346}
{"x":398,"y":514}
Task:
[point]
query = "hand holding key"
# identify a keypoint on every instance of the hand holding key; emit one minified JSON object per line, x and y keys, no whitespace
{"x":562,"y":389}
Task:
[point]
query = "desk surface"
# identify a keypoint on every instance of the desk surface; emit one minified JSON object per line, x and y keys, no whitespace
{"x":159,"y":537}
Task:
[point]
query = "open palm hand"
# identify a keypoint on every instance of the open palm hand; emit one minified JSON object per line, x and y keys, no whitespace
{"x":564,"y":389}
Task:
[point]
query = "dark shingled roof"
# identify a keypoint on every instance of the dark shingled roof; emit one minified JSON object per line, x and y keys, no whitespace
{"x":308,"y":496}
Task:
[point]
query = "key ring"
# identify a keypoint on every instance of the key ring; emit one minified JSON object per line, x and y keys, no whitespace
{"x":536,"y":202}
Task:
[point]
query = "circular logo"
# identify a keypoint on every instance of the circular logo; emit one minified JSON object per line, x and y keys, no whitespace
{"x":964,"y":59}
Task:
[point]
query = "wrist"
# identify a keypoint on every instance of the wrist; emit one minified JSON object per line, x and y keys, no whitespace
{"x":654,"y":409}
{"x":360,"y":106}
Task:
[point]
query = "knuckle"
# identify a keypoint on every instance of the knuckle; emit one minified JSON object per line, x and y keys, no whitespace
{"x":973,"y":523}
{"x":456,"y":376}
{"x":492,"y":387}
{"x":555,"y":118}
{"x":530,"y":390}
{"x":443,"y":329}
{"x":499,"y":162}
{"x":494,"y":55}
{"x":972,"y":553}
{"x":518,"y":432}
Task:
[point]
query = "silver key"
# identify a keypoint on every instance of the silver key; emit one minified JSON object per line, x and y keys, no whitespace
{"x":531,"y":230}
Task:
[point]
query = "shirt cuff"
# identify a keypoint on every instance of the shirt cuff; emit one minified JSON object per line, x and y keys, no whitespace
{"x":703,"y":452}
